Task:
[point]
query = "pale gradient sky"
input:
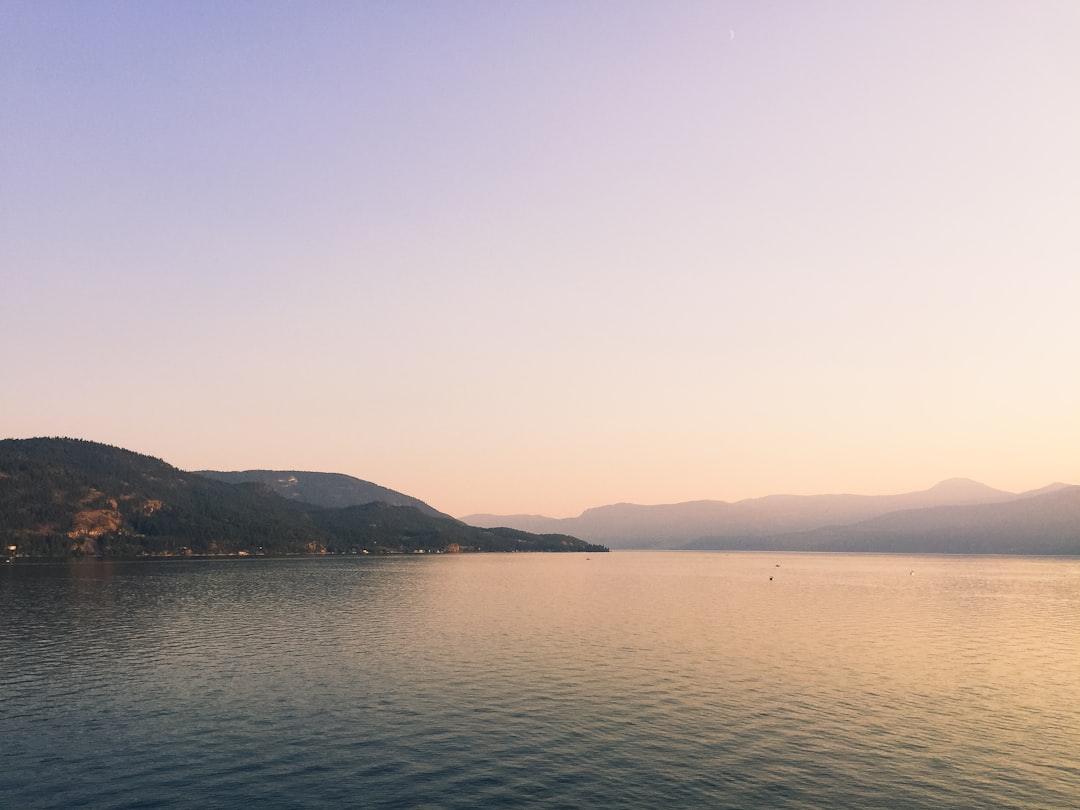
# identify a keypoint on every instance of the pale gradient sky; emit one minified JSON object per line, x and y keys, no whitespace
{"x":542,"y":256}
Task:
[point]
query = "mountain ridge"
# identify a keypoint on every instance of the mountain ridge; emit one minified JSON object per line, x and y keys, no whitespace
{"x":1047,"y":523}
{"x":679,"y":525}
{"x":331,"y":490}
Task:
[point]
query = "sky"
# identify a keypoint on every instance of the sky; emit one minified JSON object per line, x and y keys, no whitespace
{"x":535,"y":257}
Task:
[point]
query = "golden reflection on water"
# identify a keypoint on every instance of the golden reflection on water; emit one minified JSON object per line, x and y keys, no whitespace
{"x":935,"y":653}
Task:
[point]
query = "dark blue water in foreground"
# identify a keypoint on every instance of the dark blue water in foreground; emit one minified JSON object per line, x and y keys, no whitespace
{"x":633,"y":679}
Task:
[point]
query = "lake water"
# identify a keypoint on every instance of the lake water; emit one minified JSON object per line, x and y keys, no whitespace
{"x":629,"y":679}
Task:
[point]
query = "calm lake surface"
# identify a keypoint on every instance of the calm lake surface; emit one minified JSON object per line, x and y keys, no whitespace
{"x":629,"y":679}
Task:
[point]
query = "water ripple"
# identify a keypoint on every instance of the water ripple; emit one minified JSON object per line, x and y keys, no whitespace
{"x":635,"y":680}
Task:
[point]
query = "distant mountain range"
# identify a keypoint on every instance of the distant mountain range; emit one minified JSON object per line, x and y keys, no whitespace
{"x":68,"y":497}
{"x":956,"y":516}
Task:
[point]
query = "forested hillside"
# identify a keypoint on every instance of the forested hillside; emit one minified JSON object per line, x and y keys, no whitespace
{"x":65,"y":497}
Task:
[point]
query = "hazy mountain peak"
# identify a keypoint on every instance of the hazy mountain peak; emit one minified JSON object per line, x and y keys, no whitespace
{"x":1054,"y":487}
{"x":959,"y":490}
{"x":959,"y":485}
